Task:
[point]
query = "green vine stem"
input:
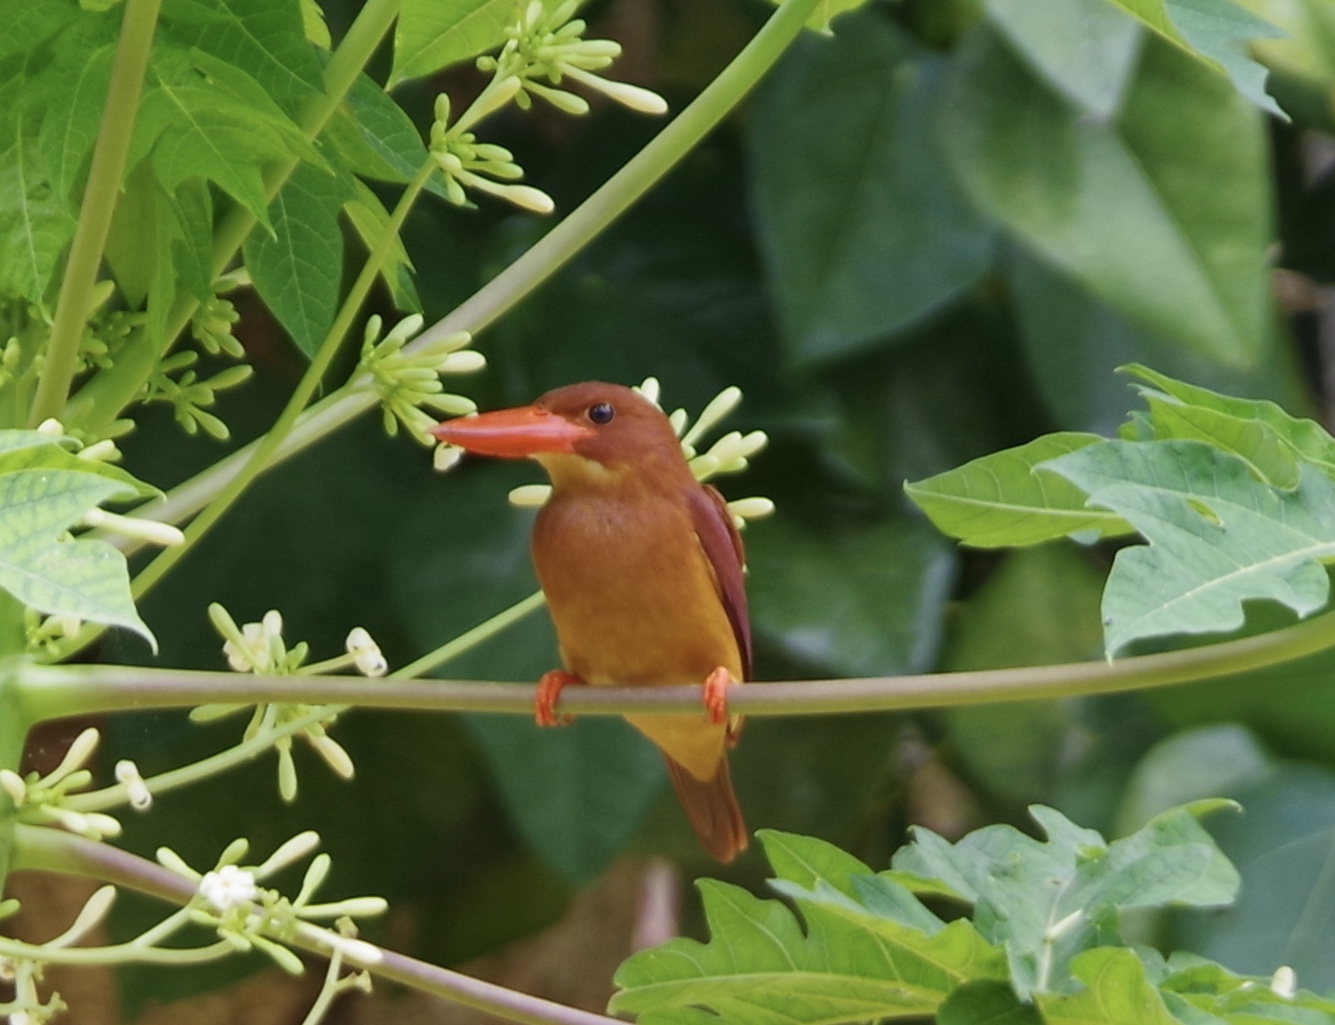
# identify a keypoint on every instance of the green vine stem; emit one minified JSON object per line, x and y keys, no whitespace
{"x":50,"y":692}
{"x":99,"y":202}
{"x":13,"y":731}
{"x":110,"y":391}
{"x":56,"y":851}
{"x":535,"y":266}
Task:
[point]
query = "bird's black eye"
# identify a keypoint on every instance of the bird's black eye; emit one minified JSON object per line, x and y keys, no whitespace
{"x":601,"y":412}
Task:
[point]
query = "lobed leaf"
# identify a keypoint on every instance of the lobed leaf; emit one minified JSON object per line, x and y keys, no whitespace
{"x":1305,"y":439}
{"x":298,"y":269}
{"x":433,"y":34}
{"x":1217,"y":536}
{"x":998,"y":501}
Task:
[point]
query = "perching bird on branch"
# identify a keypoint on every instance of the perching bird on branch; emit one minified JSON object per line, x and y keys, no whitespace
{"x":642,"y":568}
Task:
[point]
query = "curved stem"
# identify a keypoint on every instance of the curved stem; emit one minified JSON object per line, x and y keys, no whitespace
{"x":49,"y":692}
{"x":538,"y":263}
{"x":471,"y":638}
{"x":56,"y":851}
{"x":99,"y":203}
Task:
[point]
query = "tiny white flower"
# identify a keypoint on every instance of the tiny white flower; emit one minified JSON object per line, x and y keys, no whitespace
{"x":13,"y":785}
{"x":228,"y":887}
{"x":128,"y":774}
{"x":445,"y":457}
{"x":51,"y":427}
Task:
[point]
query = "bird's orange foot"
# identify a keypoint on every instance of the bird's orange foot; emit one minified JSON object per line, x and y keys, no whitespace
{"x":549,"y":691}
{"x":716,"y":695}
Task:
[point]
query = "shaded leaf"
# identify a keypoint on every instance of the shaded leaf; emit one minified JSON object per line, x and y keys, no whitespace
{"x":873,"y":236}
{"x":998,"y":501}
{"x":576,"y":794}
{"x":376,"y":138}
{"x":1162,"y":213}
{"x":1217,"y":537}
{"x":854,"y":602}
{"x":1117,"y":993}
{"x":1086,"y":49}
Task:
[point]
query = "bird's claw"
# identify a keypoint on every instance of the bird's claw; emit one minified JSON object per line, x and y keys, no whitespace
{"x":549,"y":692}
{"x":716,"y":695}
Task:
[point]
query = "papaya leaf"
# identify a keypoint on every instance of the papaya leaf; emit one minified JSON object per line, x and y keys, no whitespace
{"x":433,"y":34}
{"x":1117,"y":993}
{"x":1307,"y":439}
{"x":1046,"y":902}
{"x":1217,"y":536}
{"x":997,"y":501}
{"x":44,"y":492}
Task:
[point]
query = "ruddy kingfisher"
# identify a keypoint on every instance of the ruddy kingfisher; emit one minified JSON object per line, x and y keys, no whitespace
{"x":642,"y":568}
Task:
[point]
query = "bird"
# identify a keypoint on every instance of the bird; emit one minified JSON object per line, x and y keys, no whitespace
{"x":642,"y":567}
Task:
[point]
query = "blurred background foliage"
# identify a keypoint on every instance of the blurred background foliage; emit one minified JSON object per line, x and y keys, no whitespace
{"x":930,"y":235}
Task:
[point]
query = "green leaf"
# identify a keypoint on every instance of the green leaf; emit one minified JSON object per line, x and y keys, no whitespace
{"x":1305,"y":439}
{"x":1217,"y":537}
{"x":576,"y":794}
{"x":266,"y":40}
{"x":375,"y":137}
{"x":433,"y":34}
{"x":74,"y":90}
{"x":27,"y":24}
{"x":1117,"y":993}
{"x":370,"y":219}
{"x":1046,"y":902}
{"x":997,"y":500}
{"x":759,"y":967}
{"x":872,"y":236}
{"x":1211,"y":989}
{"x":1085,"y":49}
{"x":42,"y":496}
{"x":986,"y":1002}
{"x":1254,"y":442}
{"x":35,"y":220}
{"x":1161,"y":213}
{"x":854,"y":602}
{"x":1217,"y":30}
{"x":297,"y":271}
{"x":202,"y":118}
{"x":1073,"y":343}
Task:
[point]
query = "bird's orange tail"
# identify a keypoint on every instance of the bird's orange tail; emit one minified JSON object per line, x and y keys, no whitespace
{"x":712,"y":809}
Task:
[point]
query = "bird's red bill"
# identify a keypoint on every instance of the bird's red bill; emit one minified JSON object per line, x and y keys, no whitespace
{"x":513,"y":433}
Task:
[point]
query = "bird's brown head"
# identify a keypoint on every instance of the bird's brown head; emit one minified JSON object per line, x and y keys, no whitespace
{"x":567,"y":429}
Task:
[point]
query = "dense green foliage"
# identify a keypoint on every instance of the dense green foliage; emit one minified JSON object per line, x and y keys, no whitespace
{"x":932,"y":233}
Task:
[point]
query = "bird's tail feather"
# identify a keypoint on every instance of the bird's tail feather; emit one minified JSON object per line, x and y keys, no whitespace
{"x":712,"y":809}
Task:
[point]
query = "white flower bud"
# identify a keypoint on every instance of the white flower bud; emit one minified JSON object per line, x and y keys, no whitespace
{"x":530,"y":495}
{"x":445,"y":457}
{"x":465,"y":361}
{"x":13,"y":785}
{"x":127,"y":773}
{"x":1284,"y":982}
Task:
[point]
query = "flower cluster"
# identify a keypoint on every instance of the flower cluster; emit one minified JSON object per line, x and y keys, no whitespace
{"x":546,"y":47}
{"x":230,"y":900}
{"x":409,"y":384}
{"x":189,"y":396}
{"x":543,"y":52}
{"x":730,"y":454}
{"x":260,"y":648}
{"x":45,"y":800}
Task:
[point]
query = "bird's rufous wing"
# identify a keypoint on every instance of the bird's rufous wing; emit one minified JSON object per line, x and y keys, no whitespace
{"x":723,"y":547}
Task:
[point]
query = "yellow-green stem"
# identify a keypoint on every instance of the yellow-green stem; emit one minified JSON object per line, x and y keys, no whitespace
{"x":99,"y":203}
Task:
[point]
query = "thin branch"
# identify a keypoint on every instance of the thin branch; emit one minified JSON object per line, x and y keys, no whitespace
{"x":51,"y":850}
{"x":48,"y":692}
